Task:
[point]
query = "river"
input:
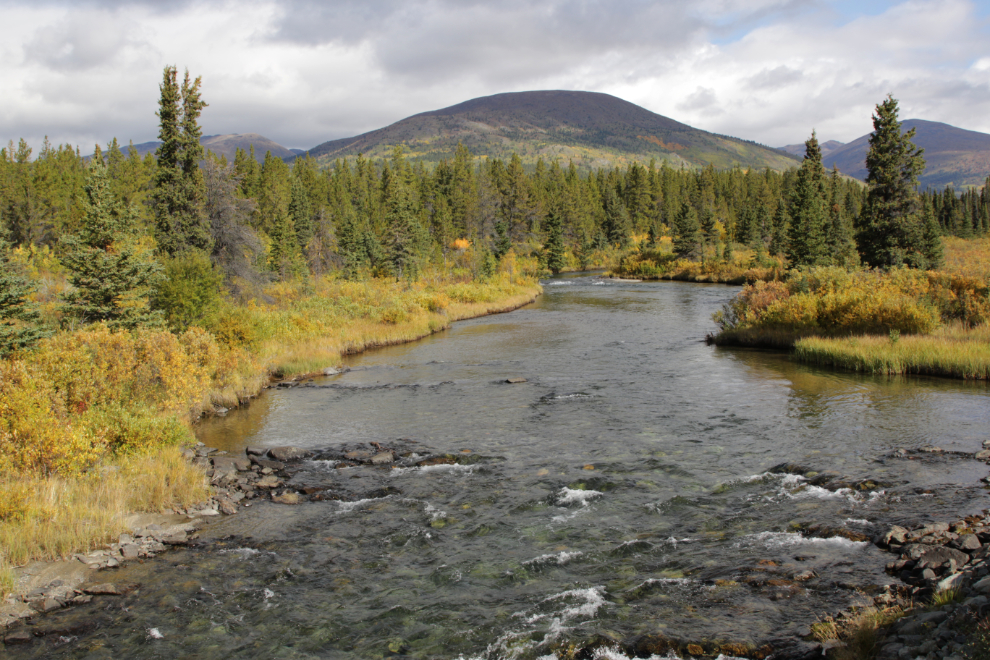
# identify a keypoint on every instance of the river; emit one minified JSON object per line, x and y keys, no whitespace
{"x":623,"y":489}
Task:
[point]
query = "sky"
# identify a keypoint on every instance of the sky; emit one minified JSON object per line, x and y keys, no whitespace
{"x":303,"y":71}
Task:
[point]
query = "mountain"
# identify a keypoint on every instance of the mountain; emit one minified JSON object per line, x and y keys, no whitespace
{"x":226,"y":145}
{"x":797,"y":150}
{"x":590,"y":128}
{"x":954,"y":156}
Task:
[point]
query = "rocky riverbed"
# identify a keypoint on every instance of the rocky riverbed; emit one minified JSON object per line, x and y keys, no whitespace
{"x":950,"y":558}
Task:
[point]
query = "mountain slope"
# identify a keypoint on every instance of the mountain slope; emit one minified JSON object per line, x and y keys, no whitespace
{"x":590,"y":128}
{"x":226,"y":145}
{"x":954,"y":156}
{"x":797,"y":150}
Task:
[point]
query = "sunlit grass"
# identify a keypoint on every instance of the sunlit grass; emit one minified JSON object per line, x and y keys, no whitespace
{"x":52,"y":517}
{"x":954,"y":351}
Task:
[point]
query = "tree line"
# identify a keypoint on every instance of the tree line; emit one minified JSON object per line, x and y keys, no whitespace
{"x":157,"y":239}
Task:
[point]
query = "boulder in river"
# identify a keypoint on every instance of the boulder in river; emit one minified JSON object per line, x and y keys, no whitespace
{"x":288,"y":453}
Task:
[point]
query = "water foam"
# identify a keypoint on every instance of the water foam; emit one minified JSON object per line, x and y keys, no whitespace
{"x":444,"y":467}
{"x":435,"y":513}
{"x":154,"y":633}
{"x":784,"y":539}
{"x":560,"y":559}
{"x":571,"y":496}
{"x":819,"y":493}
{"x":324,"y":464}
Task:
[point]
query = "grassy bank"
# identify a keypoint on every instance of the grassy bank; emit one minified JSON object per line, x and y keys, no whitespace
{"x":952,"y":352}
{"x":91,"y":419}
{"x":896,"y":322}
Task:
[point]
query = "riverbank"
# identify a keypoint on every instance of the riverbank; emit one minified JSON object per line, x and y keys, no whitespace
{"x":93,"y":419}
{"x":896,"y":322}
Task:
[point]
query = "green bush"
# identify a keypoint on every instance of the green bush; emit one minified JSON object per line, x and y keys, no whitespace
{"x":191,"y":291}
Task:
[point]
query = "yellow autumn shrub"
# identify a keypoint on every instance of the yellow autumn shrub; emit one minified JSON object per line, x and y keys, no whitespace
{"x":37,"y":433}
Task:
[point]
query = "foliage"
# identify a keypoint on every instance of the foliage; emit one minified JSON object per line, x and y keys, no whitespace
{"x":190,"y":291}
{"x":111,"y":274}
{"x":834,"y":302}
{"x":890,"y":229}
{"x":180,"y":223}
{"x":807,"y":244}
{"x":19,"y":317}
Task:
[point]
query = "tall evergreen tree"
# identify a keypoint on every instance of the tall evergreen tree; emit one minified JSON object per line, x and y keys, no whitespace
{"x":112,"y":280}
{"x":807,"y":244}
{"x":616,"y":225}
{"x":687,"y":231}
{"x":890,"y":225}
{"x":180,"y":222}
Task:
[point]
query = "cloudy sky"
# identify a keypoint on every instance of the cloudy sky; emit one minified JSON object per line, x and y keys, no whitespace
{"x":302,"y":71}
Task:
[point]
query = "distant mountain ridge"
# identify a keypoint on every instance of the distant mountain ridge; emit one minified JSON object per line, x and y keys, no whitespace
{"x":953,"y":156}
{"x":797,"y":150}
{"x":227,"y":145}
{"x":590,"y":128}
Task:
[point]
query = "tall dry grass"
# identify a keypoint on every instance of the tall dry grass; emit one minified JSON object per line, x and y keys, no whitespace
{"x":51,"y":517}
{"x":953,"y":351}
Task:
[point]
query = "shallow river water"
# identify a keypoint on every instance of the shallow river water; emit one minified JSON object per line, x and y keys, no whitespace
{"x":624,"y":489}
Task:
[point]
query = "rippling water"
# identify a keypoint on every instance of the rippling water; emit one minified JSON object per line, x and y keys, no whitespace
{"x":622,"y":490}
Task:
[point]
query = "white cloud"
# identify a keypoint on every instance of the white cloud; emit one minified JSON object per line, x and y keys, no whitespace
{"x":301,"y":71}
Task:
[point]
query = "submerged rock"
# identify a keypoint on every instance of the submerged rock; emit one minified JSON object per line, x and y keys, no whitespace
{"x":287,"y":498}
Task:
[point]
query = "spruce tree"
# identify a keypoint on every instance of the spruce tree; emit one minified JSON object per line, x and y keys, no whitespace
{"x":781,"y":229}
{"x":616,"y":224}
{"x":404,"y":233}
{"x":112,"y":280}
{"x":890,"y":225}
{"x":180,"y":222}
{"x":553,"y":248}
{"x":19,"y":328}
{"x":301,"y":211}
{"x":687,"y":231}
{"x":807,"y":244}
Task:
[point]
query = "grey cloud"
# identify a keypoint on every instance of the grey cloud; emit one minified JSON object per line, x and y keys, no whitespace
{"x":773,"y":79}
{"x":77,"y":43}
{"x":702,"y":99}
{"x":508,"y":39}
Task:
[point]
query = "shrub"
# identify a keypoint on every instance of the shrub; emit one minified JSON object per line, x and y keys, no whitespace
{"x":191,"y":290}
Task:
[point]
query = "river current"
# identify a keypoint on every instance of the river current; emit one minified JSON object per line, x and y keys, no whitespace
{"x":624,"y":489}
